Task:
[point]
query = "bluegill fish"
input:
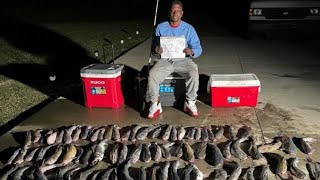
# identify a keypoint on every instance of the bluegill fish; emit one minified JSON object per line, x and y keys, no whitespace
{"x":69,"y":155}
{"x":143,"y":173}
{"x":17,"y":174}
{"x":55,"y":156}
{"x":146,"y":154}
{"x":218,"y":132}
{"x":197,"y":174}
{"x":288,"y":145}
{"x":166,"y":134}
{"x":204,"y":134}
{"x":175,"y":165}
{"x":13,"y":156}
{"x":134,"y":132}
{"x":249,"y":173}
{"x":76,"y":134}
{"x":114,"y":153}
{"x":135,"y":155}
{"x":174,"y":134}
{"x":264,"y":172}
{"x":227,"y":150}
{"x":197,"y":135}
{"x":31,"y":153}
{"x":236,"y":170}
{"x":123,"y":154}
{"x":200,"y":150}
{"x":187,"y":172}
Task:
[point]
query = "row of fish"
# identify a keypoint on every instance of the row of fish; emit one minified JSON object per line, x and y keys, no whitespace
{"x":166,"y":132}
{"x":160,"y":171}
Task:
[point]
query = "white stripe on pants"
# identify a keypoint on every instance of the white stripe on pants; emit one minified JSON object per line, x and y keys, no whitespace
{"x":164,"y":67}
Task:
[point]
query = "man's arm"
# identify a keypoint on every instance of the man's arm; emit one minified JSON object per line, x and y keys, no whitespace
{"x":194,"y":45}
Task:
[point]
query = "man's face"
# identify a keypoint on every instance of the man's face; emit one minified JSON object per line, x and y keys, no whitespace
{"x":175,"y":13}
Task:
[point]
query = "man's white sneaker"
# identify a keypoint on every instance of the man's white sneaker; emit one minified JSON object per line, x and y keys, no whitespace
{"x":154,"y":110}
{"x":191,"y":108}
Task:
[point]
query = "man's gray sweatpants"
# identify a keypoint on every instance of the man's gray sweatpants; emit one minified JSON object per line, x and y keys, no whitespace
{"x":164,"y":67}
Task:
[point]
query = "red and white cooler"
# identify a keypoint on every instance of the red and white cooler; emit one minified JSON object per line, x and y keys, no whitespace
{"x":102,"y":85}
{"x":230,"y":90}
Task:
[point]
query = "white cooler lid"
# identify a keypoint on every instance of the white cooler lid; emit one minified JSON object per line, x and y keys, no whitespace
{"x":233,"y":80}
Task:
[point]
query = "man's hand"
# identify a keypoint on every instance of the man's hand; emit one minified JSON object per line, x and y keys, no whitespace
{"x":158,"y":50}
{"x":188,"y":51}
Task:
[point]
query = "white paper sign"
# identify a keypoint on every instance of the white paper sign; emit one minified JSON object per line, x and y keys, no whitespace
{"x":173,"y":46}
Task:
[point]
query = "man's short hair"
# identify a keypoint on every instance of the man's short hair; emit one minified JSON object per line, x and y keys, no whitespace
{"x":176,"y":2}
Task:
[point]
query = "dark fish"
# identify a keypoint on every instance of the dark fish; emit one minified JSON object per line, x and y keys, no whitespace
{"x":38,"y":175}
{"x":188,"y":153}
{"x":197,"y":174}
{"x":220,"y":174}
{"x":123,"y":154}
{"x":95,"y":135}
{"x":288,"y":145}
{"x":125,"y":171}
{"x":99,"y":151}
{"x":80,"y":152}
{"x":175,"y":165}
{"x":181,"y":133}
{"x":28,"y":139}
{"x":143,"y":173}
{"x":134,"y":132}
{"x":264,"y":172}
{"x":306,"y":147}
{"x":237,"y":152}
{"x":253,"y":150}
{"x":245,"y":134}
{"x":146,"y":154}
{"x":269,"y":147}
{"x":156,"y":132}
{"x":311,"y":167}
{"x":166,"y":134}
{"x":214,"y":156}
{"x":108,"y":133}
{"x":210,"y":134}
{"x":42,"y":152}
{"x":36,"y":135}
{"x":197,"y":135}
{"x":204,"y":134}
{"x":235,"y":174}
{"x":153,"y":173}
{"x":76,"y":134}
{"x":187,"y":172}
{"x":293,"y":168}
{"x":101,"y":133}
{"x":69,"y":155}
{"x":17,"y":174}
{"x":135,"y":155}
{"x":179,"y":150}
{"x":249,"y":173}
{"x":31,"y":153}
{"x":88,"y":153}
{"x":227,"y":150}
{"x":6,"y":174}
{"x":84,"y":132}
{"x":166,"y":150}
{"x":200,"y":150}
{"x":20,"y":157}
{"x":114,"y":153}
{"x":190,"y":134}
{"x":174,"y":134}
{"x":63,"y":170}
{"x":59,"y":138}
{"x":219,"y":132}
{"x":126,"y":135}
{"x":105,"y":174}
{"x":13,"y":156}
{"x":232,"y":134}
{"x":55,"y":156}
{"x":116,"y":133}
{"x":165,"y":171}
{"x":158,"y":152}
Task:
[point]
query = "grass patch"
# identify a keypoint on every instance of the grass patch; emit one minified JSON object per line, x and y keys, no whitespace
{"x":31,"y":49}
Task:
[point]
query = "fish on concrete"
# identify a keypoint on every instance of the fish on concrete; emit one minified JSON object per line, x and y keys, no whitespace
{"x":236,"y":150}
{"x":288,"y":145}
{"x":165,"y":171}
{"x":17,"y":174}
{"x":55,"y":156}
{"x":175,"y":165}
{"x":125,"y":171}
{"x":69,"y":155}
{"x":30,"y":154}
{"x":7,"y":173}
{"x":293,"y":168}
{"x":143,"y":173}
{"x":204,"y":134}
{"x":227,"y":150}
{"x":188,"y":153}
{"x":236,"y":170}
{"x":187,"y":172}
{"x":265,"y":148}
{"x":197,"y":135}
{"x":146,"y":154}
{"x":166,"y":134}
{"x":218,"y":132}
{"x":108,"y":133}
{"x":99,"y":152}
{"x":249,"y":173}
{"x":20,"y":157}
{"x":200,"y":150}
{"x":191,"y":133}
{"x":220,"y":174}
{"x":135,"y":129}
{"x":13,"y":156}
{"x":135,"y":155}
{"x":197,"y":174}
{"x":85,"y":130}
{"x":123,"y":154}
{"x":181,"y":133}
{"x":214,"y":155}
{"x":114,"y":153}
{"x":154,"y":173}
{"x":174,"y":134}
